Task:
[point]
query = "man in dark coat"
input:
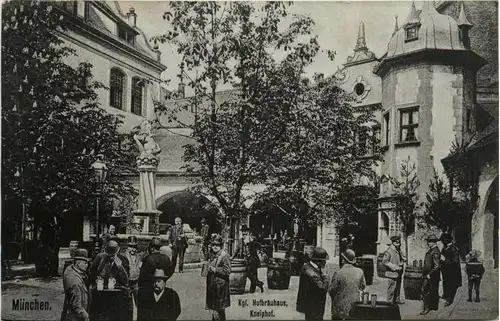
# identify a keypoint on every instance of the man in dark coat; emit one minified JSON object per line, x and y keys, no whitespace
{"x":179,"y":243}
{"x":152,"y":262}
{"x":247,"y":248}
{"x":218,"y":271}
{"x":393,"y":260}
{"x":76,"y":289}
{"x":313,"y":286}
{"x":431,"y":276}
{"x":162,"y":303}
{"x":206,"y":239}
{"x":450,"y":268}
{"x":107,"y":265}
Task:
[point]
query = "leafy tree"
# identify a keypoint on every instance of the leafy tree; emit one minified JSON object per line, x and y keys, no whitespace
{"x":406,"y":199}
{"x":441,"y":208}
{"x":277,"y":127}
{"x":52,"y":125}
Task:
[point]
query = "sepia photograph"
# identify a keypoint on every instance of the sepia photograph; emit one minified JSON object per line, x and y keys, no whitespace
{"x":249,"y":160}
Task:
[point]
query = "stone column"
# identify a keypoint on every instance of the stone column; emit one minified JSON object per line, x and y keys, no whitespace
{"x":147,"y":163}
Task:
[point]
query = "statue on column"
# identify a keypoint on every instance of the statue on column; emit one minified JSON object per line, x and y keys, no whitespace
{"x":147,"y":162}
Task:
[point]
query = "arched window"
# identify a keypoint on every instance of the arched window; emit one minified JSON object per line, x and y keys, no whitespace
{"x":116,"y":88}
{"x":137,"y":86}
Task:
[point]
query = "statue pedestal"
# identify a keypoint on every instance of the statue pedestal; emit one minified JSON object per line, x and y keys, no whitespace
{"x":153,"y":228}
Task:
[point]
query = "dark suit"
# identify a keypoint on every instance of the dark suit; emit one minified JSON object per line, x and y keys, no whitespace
{"x":206,"y":241}
{"x":167,"y":308}
{"x":150,"y":263}
{"x":248,"y":250}
{"x":179,"y":244}
{"x":311,"y":297}
{"x":431,"y":276}
{"x":451,"y":272}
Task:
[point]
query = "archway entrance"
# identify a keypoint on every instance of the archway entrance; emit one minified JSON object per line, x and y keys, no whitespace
{"x":191,"y":209}
{"x":282,"y":218}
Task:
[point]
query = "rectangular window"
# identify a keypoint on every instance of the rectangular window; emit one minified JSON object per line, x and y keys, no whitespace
{"x":387,"y":129}
{"x":362,"y":140}
{"x":137,"y":96}
{"x":468,"y":120}
{"x":408,"y":131}
{"x":126,"y":35}
{"x":411,"y":33}
{"x":375,"y":138}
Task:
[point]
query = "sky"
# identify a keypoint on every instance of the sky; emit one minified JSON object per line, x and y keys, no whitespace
{"x":336,"y":26}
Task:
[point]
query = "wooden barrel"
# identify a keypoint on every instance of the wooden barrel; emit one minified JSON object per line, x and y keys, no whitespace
{"x":296,"y":260}
{"x":279,"y":272}
{"x":381,"y":268}
{"x":366,"y":264}
{"x":238,"y":276}
{"x":413,"y":282}
{"x":308,"y":250}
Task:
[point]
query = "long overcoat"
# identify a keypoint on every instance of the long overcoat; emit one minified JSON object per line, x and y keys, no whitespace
{"x":168,"y":307}
{"x":217,"y":297}
{"x":76,"y":295}
{"x":450,"y":267}
{"x":313,"y":285}
{"x":345,"y":288}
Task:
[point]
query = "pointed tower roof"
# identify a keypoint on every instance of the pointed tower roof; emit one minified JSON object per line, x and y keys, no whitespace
{"x":396,"y":27}
{"x":462,"y":18}
{"x":413,"y":16}
{"x":361,"y":42}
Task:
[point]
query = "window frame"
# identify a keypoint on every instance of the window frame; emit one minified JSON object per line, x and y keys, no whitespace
{"x":408,"y":126}
{"x":387,"y":127}
{"x":120,"y":92}
{"x":410,"y":27}
{"x":136,"y":103}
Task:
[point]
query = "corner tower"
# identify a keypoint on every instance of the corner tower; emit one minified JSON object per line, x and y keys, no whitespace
{"x":428,"y":94}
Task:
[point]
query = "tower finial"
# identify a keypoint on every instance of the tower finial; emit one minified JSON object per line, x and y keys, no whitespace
{"x":182,"y":87}
{"x":462,"y":18}
{"x":361,"y":42}
{"x":413,"y":16}
{"x":396,"y":27}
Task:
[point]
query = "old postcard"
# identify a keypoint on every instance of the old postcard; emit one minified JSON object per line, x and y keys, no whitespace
{"x":249,"y":160}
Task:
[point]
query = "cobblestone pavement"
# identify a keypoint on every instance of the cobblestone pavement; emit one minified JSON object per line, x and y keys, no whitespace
{"x":191,"y":289}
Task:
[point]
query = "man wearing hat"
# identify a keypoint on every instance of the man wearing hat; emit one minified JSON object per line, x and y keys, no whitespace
{"x":345,"y":286}
{"x":430,"y":272}
{"x":218,"y":269}
{"x":450,"y":269}
{"x":76,"y":288}
{"x":152,"y":262}
{"x":135,"y":262}
{"x":393,"y":261}
{"x":161,"y":303}
{"x":313,"y":285}
{"x":247,"y":248}
{"x":206,"y":238}
{"x":179,"y":243}
{"x":107,"y":266}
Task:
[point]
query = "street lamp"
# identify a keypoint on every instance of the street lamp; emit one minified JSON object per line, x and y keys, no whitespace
{"x":100,"y":172}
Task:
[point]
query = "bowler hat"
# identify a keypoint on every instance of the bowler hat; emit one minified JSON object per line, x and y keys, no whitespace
{"x":160,"y":274}
{"x":446,"y":237}
{"x":244,"y":228}
{"x":216,"y":240}
{"x":81,"y":254}
{"x":319,"y":254}
{"x":349,"y":256}
{"x":132,"y":240}
{"x":395,"y":238}
{"x":112,"y":247}
{"x":432,"y":238}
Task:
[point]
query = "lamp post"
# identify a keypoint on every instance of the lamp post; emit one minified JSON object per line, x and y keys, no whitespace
{"x":100,"y":172}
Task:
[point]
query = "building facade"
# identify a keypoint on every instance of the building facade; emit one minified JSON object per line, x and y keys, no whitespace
{"x":436,"y":84}
{"x":109,"y":38}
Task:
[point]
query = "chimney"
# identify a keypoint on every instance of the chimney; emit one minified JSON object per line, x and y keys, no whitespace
{"x":132,"y":17}
{"x":156,"y":49}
